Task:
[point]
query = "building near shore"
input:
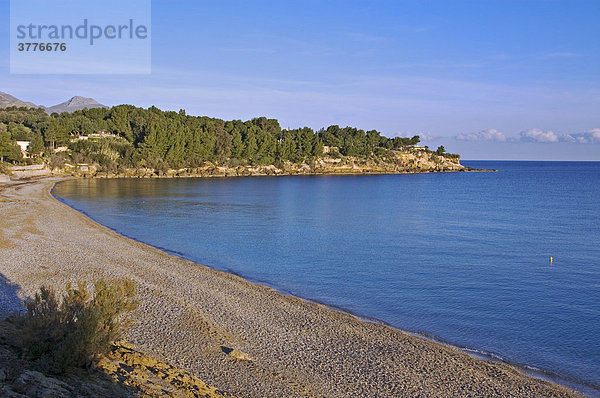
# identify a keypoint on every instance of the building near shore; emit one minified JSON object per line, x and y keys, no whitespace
{"x":24,"y":145}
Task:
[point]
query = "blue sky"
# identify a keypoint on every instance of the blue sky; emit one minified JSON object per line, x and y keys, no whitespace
{"x":488,"y":79}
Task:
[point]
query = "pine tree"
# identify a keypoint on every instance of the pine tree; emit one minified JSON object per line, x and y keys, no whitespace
{"x":238,"y":144}
{"x":9,"y":150}
{"x":36,"y":146}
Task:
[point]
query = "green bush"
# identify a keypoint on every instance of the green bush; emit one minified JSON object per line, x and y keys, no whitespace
{"x":75,"y":330}
{"x":4,"y":168}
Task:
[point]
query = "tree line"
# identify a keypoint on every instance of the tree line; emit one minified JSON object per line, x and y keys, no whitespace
{"x":134,"y":137}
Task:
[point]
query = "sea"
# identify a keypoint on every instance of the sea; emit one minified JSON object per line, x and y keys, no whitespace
{"x":505,"y":265}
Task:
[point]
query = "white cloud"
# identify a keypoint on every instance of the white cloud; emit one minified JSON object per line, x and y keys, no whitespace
{"x":591,"y":136}
{"x":424,"y":136}
{"x":484,"y":135}
{"x":537,"y":135}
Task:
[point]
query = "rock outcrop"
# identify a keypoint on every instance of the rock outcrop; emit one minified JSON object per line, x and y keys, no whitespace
{"x":396,"y":163}
{"x":124,"y":372}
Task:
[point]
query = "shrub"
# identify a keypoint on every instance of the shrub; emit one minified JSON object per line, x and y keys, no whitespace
{"x":4,"y":168}
{"x":76,"y":330}
{"x":58,"y":160}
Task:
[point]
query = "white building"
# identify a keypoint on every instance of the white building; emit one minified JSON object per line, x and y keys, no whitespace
{"x":24,"y":145}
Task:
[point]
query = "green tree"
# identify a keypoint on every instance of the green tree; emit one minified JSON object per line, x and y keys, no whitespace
{"x":19,"y":132}
{"x":238,"y":144}
{"x":222,"y":139}
{"x":9,"y":150}
{"x":176,"y":152}
{"x":441,"y":150}
{"x":250,"y":144}
{"x":164,"y":139}
{"x":36,"y":146}
{"x":287,"y":147}
{"x":415,"y":140}
{"x":155,"y":144}
{"x":119,"y":122}
{"x":57,"y":131}
{"x":266,"y":147}
{"x":317,"y":149}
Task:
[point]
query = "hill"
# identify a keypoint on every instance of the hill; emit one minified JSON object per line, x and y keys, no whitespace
{"x":75,"y":104}
{"x":126,"y":140}
{"x":7,"y":100}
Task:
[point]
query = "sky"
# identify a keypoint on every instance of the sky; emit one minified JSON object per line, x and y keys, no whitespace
{"x":493,"y":79}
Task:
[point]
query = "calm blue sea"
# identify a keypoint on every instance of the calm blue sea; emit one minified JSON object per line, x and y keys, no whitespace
{"x":462,"y":257}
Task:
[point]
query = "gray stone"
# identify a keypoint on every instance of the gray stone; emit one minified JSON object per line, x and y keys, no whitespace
{"x":35,"y":384}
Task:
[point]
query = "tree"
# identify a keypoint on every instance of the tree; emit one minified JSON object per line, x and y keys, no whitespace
{"x":266,"y":147}
{"x":19,"y":132}
{"x":57,"y":131}
{"x":286,"y":147}
{"x":238,"y":144}
{"x":317,"y":149}
{"x":250,"y":144}
{"x":441,"y":150}
{"x":176,"y":152}
{"x":155,"y":144}
{"x":222,"y":138}
{"x":119,"y":121}
{"x":373,"y":140}
{"x":167,"y":138}
{"x":37,"y":144}
{"x":9,"y":150}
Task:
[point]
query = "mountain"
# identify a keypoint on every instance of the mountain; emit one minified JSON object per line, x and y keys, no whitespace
{"x":74,"y":104}
{"x":7,"y":100}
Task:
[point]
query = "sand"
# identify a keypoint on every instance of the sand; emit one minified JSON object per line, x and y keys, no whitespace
{"x":243,"y":338}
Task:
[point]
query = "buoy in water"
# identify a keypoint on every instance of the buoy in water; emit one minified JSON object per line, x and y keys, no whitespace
{"x":551,"y":259}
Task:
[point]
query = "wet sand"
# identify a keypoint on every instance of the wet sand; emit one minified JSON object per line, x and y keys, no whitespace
{"x":192,"y":316}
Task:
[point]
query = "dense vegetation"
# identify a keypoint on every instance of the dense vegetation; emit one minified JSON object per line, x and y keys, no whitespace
{"x":75,"y":330}
{"x":137,"y":137}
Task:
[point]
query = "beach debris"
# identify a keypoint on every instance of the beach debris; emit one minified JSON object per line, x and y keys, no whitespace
{"x":235,"y":353}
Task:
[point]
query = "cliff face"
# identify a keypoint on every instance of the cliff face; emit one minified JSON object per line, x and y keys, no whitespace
{"x":395,"y":163}
{"x":428,"y":162}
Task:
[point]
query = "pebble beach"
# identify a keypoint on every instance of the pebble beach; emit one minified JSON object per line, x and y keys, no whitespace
{"x":246,"y":339}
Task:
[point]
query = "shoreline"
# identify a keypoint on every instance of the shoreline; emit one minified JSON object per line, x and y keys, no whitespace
{"x":231,"y":174}
{"x":540,"y":374}
{"x":332,"y":315}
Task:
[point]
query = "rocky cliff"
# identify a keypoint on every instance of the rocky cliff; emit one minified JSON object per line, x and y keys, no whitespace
{"x":394,"y":163}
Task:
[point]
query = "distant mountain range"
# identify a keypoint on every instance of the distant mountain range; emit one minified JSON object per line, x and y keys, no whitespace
{"x":7,"y":100}
{"x":72,"y":105}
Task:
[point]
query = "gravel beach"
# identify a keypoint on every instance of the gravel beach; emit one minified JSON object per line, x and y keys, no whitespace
{"x":243,"y":338}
